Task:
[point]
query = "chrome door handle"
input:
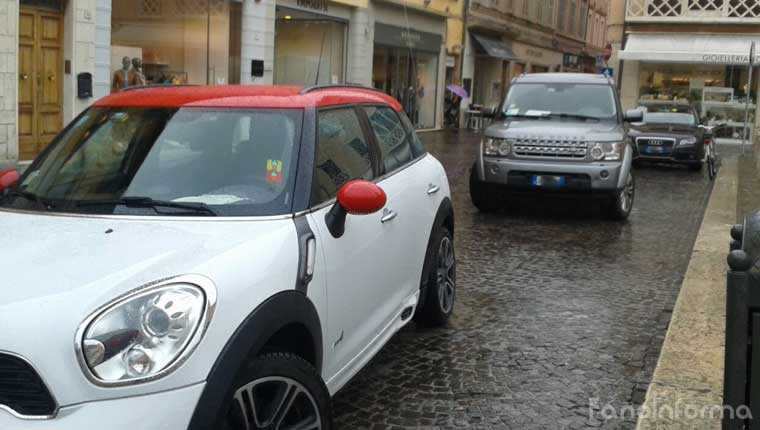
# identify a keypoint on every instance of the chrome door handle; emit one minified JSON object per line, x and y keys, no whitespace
{"x":432,"y":189}
{"x":388,"y":215}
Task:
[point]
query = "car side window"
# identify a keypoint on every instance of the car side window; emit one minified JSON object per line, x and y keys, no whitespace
{"x":342,"y":154}
{"x":391,"y":136}
{"x":418,"y":148}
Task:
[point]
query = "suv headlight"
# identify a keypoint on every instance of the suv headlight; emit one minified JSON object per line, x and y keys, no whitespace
{"x":146,"y":333}
{"x":607,"y":151}
{"x":689,"y":141}
{"x":496,"y":147}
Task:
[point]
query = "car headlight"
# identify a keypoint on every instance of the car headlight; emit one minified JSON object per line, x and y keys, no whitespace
{"x":496,"y":147}
{"x":147,"y":333}
{"x":688,"y":141}
{"x":607,"y":151}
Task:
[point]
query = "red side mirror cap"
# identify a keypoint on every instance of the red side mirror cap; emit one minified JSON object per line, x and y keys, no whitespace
{"x":8,"y":178}
{"x":361,"y":197}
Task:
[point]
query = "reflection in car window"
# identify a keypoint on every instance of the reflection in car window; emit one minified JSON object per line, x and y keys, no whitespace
{"x":342,"y":153}
{"x":391,"y":136}
{"x":417,"y":147}
{"x":597,"y":101}
{"x":239,"y":162}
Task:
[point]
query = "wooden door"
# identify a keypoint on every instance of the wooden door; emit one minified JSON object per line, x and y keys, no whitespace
{"x":40,"y":91}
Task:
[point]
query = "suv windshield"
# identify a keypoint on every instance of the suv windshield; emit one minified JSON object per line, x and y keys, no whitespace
{"x":572,"y":101}
{"x":159,"y":161}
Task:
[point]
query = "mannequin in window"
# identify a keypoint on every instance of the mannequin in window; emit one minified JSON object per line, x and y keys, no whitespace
{"x":120,"y":78}
{"x":136,"y":77}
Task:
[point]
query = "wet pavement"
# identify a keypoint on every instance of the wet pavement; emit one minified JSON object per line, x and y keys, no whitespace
{"x":560,"y":312}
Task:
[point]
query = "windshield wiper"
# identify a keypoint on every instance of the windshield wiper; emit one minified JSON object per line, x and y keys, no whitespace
{"x":572,"y":115}
{"x":14,"y":192}
{"x":147,"y":202}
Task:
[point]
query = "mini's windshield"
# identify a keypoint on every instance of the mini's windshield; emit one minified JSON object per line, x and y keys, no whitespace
{"x":159,"y":161}
{"x":570,"y":101}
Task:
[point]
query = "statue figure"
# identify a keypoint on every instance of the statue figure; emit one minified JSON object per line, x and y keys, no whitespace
{"x":120,"y":78}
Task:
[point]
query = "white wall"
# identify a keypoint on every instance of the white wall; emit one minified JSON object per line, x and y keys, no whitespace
{"x":102,"y":75}
{"x":8,"y":80}
{"x":79,"y":48}
{"x":257,"y":40}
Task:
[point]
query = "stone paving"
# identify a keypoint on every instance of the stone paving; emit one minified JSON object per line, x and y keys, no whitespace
{"x":560,"y":312}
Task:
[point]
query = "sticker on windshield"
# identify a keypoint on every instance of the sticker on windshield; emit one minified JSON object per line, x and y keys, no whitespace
{"x":274,"y":171}
{"x":538,"y":113}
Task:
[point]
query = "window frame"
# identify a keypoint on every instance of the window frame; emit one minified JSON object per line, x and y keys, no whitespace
{"x":404,"y":124}
{"x":374,"y":151}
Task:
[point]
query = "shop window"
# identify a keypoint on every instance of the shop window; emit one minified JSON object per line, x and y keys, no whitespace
{"x":309,"y":48}
{"x":175,"y":42}
{"x":342,"y":153}
{"x":391,"y":137}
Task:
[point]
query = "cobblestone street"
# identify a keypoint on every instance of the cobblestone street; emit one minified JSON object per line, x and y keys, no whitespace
{"x":559,"y":311}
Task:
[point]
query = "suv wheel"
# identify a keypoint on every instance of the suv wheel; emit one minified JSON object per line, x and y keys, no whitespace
{"x":279,"y":392}
{"x":481,"y":194}
{"x":622,"y":202}
{"x":440,"y":290}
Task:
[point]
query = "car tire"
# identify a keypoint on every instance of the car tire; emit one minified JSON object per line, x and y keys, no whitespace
{"x":439,"y":292}
{"x":275,"y":378}
{"x":481,"y":194}
{"x":697,"y":167}
{"x":621,"y":202}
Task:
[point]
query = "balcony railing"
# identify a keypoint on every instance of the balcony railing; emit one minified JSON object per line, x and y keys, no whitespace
{"x":697,"y":11}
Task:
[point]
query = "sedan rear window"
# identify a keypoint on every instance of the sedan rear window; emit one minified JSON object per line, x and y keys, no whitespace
{"x":233,"y":162}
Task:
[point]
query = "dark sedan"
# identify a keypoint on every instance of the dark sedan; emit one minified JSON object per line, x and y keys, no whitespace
{"x":670,"y":133}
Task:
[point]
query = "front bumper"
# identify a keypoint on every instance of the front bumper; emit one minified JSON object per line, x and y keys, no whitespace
{"x":581,"y":177}
{"x":168,"y":410}
{"x":679,"y":155}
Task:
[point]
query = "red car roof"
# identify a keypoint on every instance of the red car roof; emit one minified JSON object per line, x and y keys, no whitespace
{"x":245,"y":96}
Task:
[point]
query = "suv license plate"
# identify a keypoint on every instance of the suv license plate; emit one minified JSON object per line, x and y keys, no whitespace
{"x":548,"y":181}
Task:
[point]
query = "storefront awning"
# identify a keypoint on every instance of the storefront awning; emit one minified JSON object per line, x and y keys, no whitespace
{"x":494,"y":47}
{"x":689,"y":48}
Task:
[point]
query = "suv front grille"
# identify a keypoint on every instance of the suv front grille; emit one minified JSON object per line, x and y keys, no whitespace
{"x":22,"y":390}
{"x":552,"y":147}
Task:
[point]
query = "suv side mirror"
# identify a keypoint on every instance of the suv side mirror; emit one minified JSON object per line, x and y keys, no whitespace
{"x":8,"y":179}
{"x":356,"y":198}
{"x":634,"y":115}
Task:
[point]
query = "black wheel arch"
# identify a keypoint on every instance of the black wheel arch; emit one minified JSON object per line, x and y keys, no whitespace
{"x":289,"y":313}
{"x":443,"y":218}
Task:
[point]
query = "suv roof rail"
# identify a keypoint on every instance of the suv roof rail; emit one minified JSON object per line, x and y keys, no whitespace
{"x":142,"y":87}
{"x":312,"y":88}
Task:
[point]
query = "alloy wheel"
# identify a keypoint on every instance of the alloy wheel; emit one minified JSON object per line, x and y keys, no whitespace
{"x":275,"y":403}
{"x":446,"y":275}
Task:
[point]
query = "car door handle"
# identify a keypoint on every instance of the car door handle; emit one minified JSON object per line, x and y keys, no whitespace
{"x":388,"y":215}
{"x":432,"y":189}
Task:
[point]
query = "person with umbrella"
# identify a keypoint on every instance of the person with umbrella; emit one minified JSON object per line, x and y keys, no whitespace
{"x":451,"y":111}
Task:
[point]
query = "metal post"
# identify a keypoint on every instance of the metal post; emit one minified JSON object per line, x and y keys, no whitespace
{"x":749,"y":89}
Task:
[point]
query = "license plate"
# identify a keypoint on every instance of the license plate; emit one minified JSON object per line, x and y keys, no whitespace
{"x":548,"y":181}
{"x":654,"y":150}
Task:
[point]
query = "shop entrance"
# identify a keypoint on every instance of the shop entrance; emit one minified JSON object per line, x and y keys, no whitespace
{"x":39,"y":81}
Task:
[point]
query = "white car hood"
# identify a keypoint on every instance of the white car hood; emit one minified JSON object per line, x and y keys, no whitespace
{"x":56,"y":270}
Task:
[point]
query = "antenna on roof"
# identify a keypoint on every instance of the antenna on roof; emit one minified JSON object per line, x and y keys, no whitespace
{"x":321,"y":50}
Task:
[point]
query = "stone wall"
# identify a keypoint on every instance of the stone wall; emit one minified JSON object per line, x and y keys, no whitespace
{"x":8,"y":80}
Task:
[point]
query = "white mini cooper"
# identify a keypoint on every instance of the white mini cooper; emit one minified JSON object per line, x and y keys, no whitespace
{"x":216,"y":258}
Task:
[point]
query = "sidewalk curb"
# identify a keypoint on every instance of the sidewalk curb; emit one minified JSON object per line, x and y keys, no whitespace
{"x":686,"y":390}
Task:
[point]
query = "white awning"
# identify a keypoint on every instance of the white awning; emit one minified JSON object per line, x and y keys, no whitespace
{"x":690,"y":48}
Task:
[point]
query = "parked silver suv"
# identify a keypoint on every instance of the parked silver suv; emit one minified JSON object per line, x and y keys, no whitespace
{"x":558,"y":133}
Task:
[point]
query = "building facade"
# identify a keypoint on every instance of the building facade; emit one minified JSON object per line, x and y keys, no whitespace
{"x":507,"y":38}
{"x":58,"y":56}
{"x":692,"y":50}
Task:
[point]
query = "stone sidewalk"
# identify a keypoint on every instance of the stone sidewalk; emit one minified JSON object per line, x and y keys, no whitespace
{"x":686,"y":391}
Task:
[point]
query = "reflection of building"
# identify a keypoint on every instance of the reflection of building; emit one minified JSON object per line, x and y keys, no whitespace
{"x":696,"y":51}
{"x":58,"y":48}
{"x":508,"y":38}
